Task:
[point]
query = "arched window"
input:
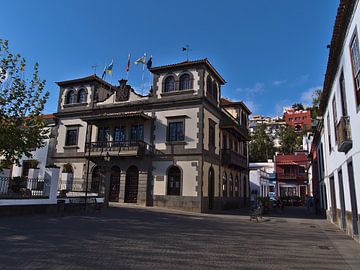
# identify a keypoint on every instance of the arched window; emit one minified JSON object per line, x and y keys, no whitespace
{"x":185,"y":82}
{"x":209,"y":86}
{"x":231,"y":185}
{"x":169,"y":84}
{"x":82,"y":96}
{"x":224,"y":185}
{"x":214,"y":90}
{"x":237,"y":194}
{"x":70,"y":97}
{"x":174,"y":181}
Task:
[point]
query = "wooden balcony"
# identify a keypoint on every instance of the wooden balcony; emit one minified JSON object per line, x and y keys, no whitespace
{"x":291,"y":176}
{"x":117,"y":149}
{"x":344,"y":134}
{"x":231,"y":158}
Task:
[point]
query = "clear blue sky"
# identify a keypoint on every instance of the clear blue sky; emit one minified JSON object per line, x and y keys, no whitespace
{"x":270,"y":52}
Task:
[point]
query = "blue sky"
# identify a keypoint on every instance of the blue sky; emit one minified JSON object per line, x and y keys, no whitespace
{"x":272,"y":53}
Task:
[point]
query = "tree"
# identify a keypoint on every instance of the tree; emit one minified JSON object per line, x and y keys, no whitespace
{"x":298,"y":107}
{"x":290,"y":141}
{"x":315,"y":103}
{"x":21,"y":104}
{"x":261,"y":147}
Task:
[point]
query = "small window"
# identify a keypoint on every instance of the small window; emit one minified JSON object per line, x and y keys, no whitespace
{"x":70,"y":97}
{"x":176,"y":131}
{"x":211,"y":134}
{"x":355,"y":59}
{"x":209,"y":86}
{"x":120,"y":134}
{"x":185,"y":82}
{"x":169,"y":84}
{"x":334,"y":117}
{"x":174,"y":181}
{"x":82,"y":96}
{"x":214,"y":90}
{"x":137,"y":132}
{"x":103,"y":134}
{"x":71,"y":137}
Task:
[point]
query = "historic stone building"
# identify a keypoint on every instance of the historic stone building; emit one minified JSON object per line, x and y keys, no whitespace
{"x":180,"y":146}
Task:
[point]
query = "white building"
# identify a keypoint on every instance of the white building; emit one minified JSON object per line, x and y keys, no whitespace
{"x":337,"y":140}
{"x":262,"y":179}
{"x":34,"y":166}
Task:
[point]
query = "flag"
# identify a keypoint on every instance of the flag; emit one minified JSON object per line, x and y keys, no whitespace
{"x":142,"y":59}
{"x":110,"y":67}
{"x":104,"y":72}
{"x":128,"y":64}
{"x":149,"y":62}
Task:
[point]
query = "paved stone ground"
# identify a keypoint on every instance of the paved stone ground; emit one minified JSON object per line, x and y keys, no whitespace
{"x":123,"y":237}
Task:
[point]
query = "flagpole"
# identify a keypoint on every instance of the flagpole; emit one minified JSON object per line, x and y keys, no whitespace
{"x":142,"y":75}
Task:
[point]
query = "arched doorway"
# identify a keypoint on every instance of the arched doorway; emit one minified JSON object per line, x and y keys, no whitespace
{"x":131,"y":184}
{"x":114,"y":184}
{"x":97,"y":180}
{"x":245,"y":190}
{"x":211,"y":187}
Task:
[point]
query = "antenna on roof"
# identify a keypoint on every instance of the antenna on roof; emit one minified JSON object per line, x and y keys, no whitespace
{"x":187,"y":49}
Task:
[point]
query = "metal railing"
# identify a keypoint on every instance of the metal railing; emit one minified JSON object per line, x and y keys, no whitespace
{"x":23,"y":188}
{"x":344,"y":134}
{"x":76,"y":187}
{"x":119,"y":146}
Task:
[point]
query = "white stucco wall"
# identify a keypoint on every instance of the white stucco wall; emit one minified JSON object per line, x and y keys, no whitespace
{"x":208,"y":115}
{"x":335,"y":160}
{"x":76,"y":88}
{"x":189,"y":174}
{"x":194,"y":73}
{"x":62,"y":134}
{"x":191,"y":127}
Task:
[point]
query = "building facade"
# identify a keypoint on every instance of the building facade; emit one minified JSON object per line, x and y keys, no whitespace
{"x":180,"y":146}
{"x":337,"y":142}
{"x":291,"y":174}
{"x":298,"y":119}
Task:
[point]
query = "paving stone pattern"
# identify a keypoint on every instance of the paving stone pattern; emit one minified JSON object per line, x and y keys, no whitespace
{"x":124,"y":237}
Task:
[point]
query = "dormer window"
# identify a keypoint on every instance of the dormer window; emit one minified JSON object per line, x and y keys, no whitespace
{"x":82,"y":95}
{"x":71,"y":97}
{"x":185,"y":82}
{"x":169,"y":84}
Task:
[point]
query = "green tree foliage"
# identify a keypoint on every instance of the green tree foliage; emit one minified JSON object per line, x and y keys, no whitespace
{"x":261,"y":147}
{"x":290,"y":141}
{"x":315,"y":103}
{"x":298,"y":107}
{"x":21,"y":103}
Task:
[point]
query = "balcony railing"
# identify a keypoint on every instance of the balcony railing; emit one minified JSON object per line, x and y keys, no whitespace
{"x":344,"y":134}
{"x":291,"y":176}
{"x":230,"y":157}
{"x":118,"y":148}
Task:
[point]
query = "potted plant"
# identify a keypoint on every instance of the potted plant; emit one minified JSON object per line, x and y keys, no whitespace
{"x":66,"y":177}
{"x":34,"y":170}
